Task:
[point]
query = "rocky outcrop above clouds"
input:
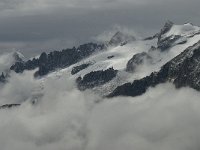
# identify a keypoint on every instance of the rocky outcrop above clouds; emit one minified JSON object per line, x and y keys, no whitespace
{"x":57,"y":59}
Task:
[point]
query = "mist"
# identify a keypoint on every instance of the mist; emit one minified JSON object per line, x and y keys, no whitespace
{"x":6,"y":60}
{"x":64,"y":118}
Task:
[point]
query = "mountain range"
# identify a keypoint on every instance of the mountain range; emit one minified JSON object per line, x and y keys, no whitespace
{"x":123,"y":66}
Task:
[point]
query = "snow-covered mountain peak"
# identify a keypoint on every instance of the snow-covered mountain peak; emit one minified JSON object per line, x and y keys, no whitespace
{"x":168,"y":25}
{"x":120,"y":38}
{"x":172,"y":34}
{"x":185,"y":30}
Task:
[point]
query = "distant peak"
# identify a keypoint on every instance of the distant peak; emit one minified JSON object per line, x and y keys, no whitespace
{"x":19,"y":57}
{"x":121,"y":38}
{"x":168,"y":25}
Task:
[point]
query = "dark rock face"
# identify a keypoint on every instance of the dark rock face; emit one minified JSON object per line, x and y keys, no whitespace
{"x":2,"y":78}
{"x":139,"y":87}
{"x":57,"y":59}
{"x":168,"y":25}
{"x":8,"y":106}
{"x":137,"y":60}
{"x":77,"y":69}
{"x":110,"y":57}
{"x":183,"y":70}
{"x":96,"y":78}
{"x":167,"y":42}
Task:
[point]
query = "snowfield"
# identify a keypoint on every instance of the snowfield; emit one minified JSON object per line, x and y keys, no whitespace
{"x":122,"y":54}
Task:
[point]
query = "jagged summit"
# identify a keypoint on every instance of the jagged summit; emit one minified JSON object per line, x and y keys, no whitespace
{"x":171,"y":30}
{"x":120,"y":38}
{"x":186,"y":30}
{"x":57,"y":59}
{"x":172,"y":34}
{"x":168,"y":25}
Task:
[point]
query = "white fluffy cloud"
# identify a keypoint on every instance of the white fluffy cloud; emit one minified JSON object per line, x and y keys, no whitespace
{"x":67,"y":119}
{"x":163,"y":118}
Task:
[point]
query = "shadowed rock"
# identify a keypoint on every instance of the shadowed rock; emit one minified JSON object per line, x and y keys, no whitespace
{"x":120,"y":39}
{"x":77,"y":69}
{"x":8,"y":106}
{"x":96,"y":78}
{"x":57,"y":59}
{"x":137,"y":60}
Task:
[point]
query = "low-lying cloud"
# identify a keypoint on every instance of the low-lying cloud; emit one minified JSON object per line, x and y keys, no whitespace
{"x":64,"y":118}
{"x":163,"y":118}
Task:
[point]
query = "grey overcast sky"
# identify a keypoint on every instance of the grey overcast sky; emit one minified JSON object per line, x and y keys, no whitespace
{"x":42,"y":25}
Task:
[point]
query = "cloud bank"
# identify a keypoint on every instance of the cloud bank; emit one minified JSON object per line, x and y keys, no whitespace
{"x":64,"y":118}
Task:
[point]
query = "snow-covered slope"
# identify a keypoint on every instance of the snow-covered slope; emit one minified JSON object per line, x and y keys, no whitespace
{"x":185,"y":30}
{"x":118,"y":56}
{"x":176,"y":37}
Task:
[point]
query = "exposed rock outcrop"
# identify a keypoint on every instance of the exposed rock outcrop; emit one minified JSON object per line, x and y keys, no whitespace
{"x":77,"y":69}
{"x":57,"y":59}
{"x":8,"y":106}
{"x":137,"y":60}
{"x":96,"y":78}
{"x":120,"y":39}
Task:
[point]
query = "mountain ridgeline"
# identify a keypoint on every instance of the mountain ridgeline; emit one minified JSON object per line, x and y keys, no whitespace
{"x":110,"y":66}
{"x":57,"y":59}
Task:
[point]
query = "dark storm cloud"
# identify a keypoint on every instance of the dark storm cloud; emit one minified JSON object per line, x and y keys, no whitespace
{"x":39,"y":25}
